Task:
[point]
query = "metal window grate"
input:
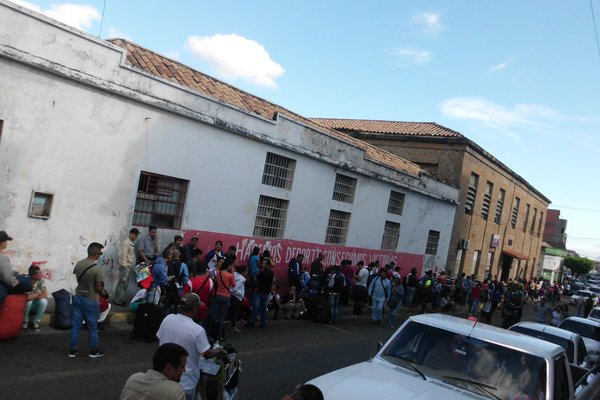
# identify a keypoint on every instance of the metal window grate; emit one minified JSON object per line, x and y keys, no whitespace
{"x":515,"y":213}
{"x":344,"y":189}
{"x":471,"y":194}
{"x":278,"y":171}
{"x":500,"y":206}
{"x":487,"y":200}
{"x":532,"y":227}
{"x":270,"y":217}
{"x":433,"y":239}
{"x":396,"y":203}
{"x":526,"y":220}
{"x":337,"y":228}
{"x":160,"y":201}
{"x":391,"y":233}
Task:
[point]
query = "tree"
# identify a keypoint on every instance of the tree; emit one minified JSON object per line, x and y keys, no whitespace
{"x":578,"y":265}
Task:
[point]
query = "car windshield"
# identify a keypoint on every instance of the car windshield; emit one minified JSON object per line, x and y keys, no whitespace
{"x":468,"y":362}
{"x":585,"y":330}
{"x":594,"y":289}
{"x":581,"y":293}
{"x":595,"y":313}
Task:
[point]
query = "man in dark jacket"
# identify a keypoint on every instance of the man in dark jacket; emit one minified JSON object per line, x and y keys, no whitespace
{"x":260,"y":300}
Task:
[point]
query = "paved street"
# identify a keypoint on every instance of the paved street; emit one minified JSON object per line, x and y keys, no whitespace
{"x":274,"y":359}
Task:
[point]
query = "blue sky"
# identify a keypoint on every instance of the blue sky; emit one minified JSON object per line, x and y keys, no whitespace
{"x":520,"y":78}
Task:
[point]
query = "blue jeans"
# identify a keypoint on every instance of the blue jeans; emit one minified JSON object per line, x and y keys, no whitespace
{"x":392,"y":312}
{"x":219,"y":307}
{"x":84,"y":307}
{"x":377,"y":313}
{"x":38,"y":307}
{"x":334,"y":300}
{"x":259,"y":304}
{"x":410,"y":295}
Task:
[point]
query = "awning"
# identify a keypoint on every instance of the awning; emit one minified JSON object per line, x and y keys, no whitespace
{"x":514,"y":254}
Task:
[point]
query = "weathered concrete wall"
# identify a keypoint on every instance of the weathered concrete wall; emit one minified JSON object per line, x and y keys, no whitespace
{"x":80,"y":125}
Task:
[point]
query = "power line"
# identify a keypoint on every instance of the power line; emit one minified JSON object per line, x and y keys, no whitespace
{"x":576,"y":208}
{"x":104,"y":9}
{"x":595,"y":28}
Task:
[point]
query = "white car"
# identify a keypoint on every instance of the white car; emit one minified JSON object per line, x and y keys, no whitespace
{"x":581,"y":295}
{"x":594,"y":314}
{"x":572,"y":342}
{"x":440,"y":357}
{"x":589,"y":331}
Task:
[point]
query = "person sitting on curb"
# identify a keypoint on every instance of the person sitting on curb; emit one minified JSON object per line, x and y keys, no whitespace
{"x":160,"y":382}
{"x":291,"y":305}
{"x":36,"y":299}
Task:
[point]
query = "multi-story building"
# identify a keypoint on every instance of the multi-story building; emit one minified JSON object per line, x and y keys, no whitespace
{"x":499,"y":223}
{"x":555,"y":230}
{"x":98,"y":136}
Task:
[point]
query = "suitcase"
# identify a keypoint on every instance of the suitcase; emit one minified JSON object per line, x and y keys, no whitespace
{"x":148,"y":318}
{"x":63,"y":303}
{"x":11,"y":315}
{"x":321,"y":310}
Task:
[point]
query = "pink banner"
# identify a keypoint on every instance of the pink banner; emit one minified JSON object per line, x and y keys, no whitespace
{"x":282,"y":251}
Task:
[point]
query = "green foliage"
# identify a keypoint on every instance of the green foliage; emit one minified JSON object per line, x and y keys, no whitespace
{"x":578,"y":265}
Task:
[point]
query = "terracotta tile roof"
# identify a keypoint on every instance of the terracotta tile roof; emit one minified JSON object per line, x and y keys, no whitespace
{"x":388,"y":127}
{"x":155,"y":64}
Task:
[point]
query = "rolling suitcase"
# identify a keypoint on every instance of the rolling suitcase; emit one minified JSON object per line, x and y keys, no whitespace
{"x":148,"y":318}
{"x":63,"y":302}
{"x":11,"y":315}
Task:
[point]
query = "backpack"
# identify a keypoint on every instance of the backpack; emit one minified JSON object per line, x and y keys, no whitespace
{"x":336,"y":282}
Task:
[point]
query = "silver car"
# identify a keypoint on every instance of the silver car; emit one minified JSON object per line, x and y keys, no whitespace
{"x":589,"y":331}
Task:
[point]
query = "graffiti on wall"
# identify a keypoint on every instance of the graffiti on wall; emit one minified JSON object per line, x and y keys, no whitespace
{"x":282,"y":251}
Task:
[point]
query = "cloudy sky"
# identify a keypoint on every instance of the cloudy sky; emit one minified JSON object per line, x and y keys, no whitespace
{"x":520,"y":78}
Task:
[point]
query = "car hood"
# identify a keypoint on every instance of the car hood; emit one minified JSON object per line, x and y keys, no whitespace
{"x":382,"y":380}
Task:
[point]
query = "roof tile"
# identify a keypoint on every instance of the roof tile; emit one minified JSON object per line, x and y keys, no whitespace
{"x":388,"y":127}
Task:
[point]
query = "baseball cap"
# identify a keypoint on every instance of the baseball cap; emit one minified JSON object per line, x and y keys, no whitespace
{"x":4,"y":236}
{"x":189,"y":301}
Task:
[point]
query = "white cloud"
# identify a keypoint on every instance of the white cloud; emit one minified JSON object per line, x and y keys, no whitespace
{"x":236,"y":57}
{"x":495,"y":115}
{"x":114,"y":33}
{"x":410,"y":56}
{"x":79,"y":16}
{"x":430,"y":22}
{"x":499,"y":67}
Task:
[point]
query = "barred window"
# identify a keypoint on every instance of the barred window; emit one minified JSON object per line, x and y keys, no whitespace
{"x":532,"y":227}
{"x":279,"y":171}
{"x":500,"y":206}
{"x":471,"y":193}
{"x":270,"y":217}
{"x":487,"y":200}
{"x":396,"y":203}
{"x":515,"y":213}
{"x":344,"y":188}
{"x":432,"y":242}
{"x":337,"y":228}
{"x":391,"y":233}
{"x":527,"y":210}
{"x":160,"y":201}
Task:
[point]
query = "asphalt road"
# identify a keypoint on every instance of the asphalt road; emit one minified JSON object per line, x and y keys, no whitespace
{"x":275,"y":359}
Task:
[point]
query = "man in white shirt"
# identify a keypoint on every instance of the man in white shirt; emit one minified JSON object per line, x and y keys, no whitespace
{"x":182,"y":330}
{"x":360,"y":288}
{"x":126,"y":260}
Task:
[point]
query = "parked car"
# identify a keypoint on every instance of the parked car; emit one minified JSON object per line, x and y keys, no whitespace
{"x":594,"y":314}
{"x":589,"y":331}
{"x":435,"y":356}
{"x":572,"y":342}
{"x":581,"y":295}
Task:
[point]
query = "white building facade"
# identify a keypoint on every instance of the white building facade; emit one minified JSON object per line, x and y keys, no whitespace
{"x":91,"y":145}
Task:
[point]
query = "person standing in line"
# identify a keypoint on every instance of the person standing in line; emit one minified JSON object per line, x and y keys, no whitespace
{"x":237,"y":295}
{"x":162,"y":381}
{"x":224,"y":281}
{"x":188,"y":250}
{"x":213,"y":256}
{"x":36,"y":299}
{"x":395,"y":302}
{"x":86,"y":302}
{"x":335,"y":286}
{"x":146,"y":246}
{"x":181,"y":329}
{"x":360,"y":288}
{"x":380,"y":290}
{"x":254,"y":263}
{"x":260,"y":300}
{"x":159,"y":277}
{"x":126,"y":259}
{"x":316,"y":267}
{"x":294,"y":270}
